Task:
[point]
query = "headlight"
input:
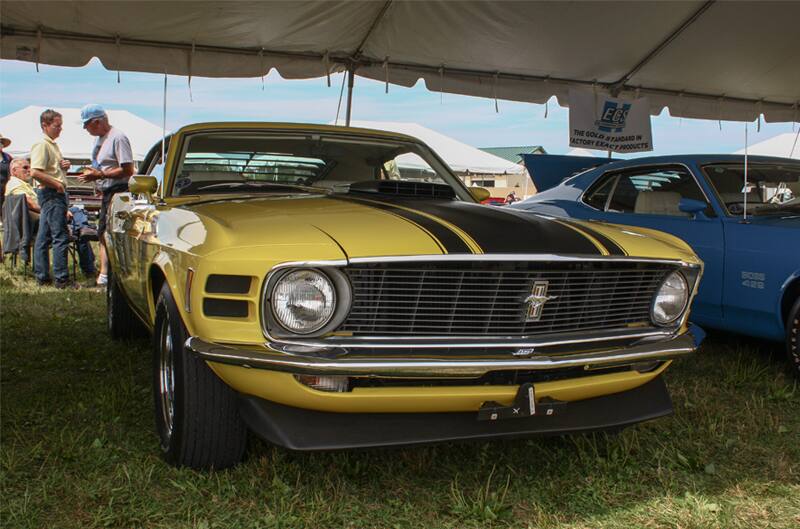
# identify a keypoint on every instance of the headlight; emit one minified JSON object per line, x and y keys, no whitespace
{"x":303,"y":301}
{"x":670,"y":300}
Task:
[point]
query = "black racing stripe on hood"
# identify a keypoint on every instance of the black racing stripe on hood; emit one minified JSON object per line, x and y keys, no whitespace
{"x":445,"y":237}
{"x":500,"y":230}
{"x":612,"y":247}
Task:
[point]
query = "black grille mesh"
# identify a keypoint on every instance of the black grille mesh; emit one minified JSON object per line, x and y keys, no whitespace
{"x":488,"y":299}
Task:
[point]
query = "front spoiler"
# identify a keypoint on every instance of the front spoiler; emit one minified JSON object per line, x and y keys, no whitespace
{"x":399,"y":365}
{"x":302,"y":429}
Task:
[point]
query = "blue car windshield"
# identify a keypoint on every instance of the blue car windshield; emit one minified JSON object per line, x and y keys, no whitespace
{"x":771,"y":188}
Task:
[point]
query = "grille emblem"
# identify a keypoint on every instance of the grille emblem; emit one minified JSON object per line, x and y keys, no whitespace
{"x":535,"y":302}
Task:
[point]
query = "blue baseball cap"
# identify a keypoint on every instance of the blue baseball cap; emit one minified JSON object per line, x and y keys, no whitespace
{"x":92,"y":111}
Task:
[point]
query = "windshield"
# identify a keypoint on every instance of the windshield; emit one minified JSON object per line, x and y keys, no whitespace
{"x":771,"y":188}
{"x":237,"y":162}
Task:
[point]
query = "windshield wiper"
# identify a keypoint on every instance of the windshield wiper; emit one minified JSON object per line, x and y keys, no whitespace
{"x":248,"y":184}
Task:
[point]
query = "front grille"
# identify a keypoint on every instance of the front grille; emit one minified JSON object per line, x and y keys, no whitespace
{"x":488,"y":298}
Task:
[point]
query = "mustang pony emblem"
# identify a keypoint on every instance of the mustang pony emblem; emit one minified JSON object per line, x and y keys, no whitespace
{"x":536,"y":300}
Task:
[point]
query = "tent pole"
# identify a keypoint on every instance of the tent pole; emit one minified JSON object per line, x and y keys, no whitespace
{"x":351,"y":74}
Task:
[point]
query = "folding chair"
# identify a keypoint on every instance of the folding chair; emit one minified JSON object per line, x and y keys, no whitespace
{"x":17,"y":229}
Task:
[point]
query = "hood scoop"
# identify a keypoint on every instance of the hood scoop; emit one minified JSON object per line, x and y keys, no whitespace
{"x":404,"y":189}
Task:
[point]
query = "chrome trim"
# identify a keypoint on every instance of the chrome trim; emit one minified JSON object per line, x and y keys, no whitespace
{"x":187,"y":298}
{"x":427,"y":367}
{"x":504,"y":257}
{"x":457,"y":342}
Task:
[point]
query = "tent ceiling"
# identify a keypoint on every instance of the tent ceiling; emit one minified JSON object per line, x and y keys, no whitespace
{"x":702,"y":59}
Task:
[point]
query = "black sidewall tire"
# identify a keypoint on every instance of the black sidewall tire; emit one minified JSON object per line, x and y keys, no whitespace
{"x":208,"y":432}
{"x":793,"y":338}
{"x":170,"y":447}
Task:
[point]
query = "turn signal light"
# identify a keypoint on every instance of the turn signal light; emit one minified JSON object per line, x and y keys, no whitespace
{"x":337,"y":384}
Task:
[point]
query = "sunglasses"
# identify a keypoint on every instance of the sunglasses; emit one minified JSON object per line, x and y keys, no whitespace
{"x":89,"y":123}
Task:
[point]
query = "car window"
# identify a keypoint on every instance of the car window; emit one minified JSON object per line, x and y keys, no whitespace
{"x":655,"y":191}
{"x":597,"y":197}
{"x":771,"y":188}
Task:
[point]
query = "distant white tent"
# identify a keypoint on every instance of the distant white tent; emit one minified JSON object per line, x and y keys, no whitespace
{"x":461,"y":158}
{"x":780,"y":145}
{"x":22,"y":127}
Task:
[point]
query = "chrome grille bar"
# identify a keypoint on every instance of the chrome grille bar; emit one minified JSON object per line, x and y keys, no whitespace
{"x":489,"y":298}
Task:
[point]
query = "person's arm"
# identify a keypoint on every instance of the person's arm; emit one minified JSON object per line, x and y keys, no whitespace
{"x":47,"y":181}
{"x":126,"y":168}
{"x":32,"y":205}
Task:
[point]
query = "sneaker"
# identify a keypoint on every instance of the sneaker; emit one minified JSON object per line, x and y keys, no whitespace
{"x":44,"y":282}
{"x":102,"y":280}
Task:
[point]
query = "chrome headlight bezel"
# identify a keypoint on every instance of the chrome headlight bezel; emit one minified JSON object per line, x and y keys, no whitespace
{"x":688,"y":288}
{"x":273,"y":325}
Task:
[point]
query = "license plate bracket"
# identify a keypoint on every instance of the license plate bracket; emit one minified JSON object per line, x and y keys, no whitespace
{"x":523,"y":406}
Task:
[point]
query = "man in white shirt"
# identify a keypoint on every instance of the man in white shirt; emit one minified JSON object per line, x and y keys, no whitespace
{"x":112,"y":166}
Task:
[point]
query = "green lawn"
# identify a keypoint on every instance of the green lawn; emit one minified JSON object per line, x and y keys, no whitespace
{"x":79,"y":450}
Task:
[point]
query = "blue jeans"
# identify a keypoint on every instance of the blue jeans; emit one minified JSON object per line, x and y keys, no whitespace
{"x":52,"y":231}
{"x":86,"y":258}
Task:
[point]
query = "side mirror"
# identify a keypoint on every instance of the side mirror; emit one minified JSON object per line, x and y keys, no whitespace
{"x":694,"y":207}
{"x":479,"y":193}
{"x":143,"y":184}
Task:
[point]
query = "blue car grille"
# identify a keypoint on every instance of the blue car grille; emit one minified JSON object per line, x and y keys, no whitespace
{"x":489,"y":298}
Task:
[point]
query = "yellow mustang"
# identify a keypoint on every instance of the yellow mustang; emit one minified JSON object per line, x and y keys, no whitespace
{"x":331,"y":287}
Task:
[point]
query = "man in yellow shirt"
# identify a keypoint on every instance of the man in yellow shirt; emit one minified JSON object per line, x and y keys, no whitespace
{"x":19,"y":183}
{"x":49,"y":167}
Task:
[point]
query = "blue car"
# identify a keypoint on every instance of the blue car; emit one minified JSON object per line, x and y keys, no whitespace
{"x":747,"y":235}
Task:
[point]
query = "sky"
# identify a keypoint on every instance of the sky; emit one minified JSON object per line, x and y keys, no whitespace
{"x":471,"y":120}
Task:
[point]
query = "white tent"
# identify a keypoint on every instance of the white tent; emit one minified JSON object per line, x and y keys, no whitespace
{"x":781,"y":145}
{"x":22,"y":127}
{"x":702,"y":59}
{"x":461,"y":158}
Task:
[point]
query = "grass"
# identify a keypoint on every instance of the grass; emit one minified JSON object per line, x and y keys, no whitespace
{"x":79,"y":450}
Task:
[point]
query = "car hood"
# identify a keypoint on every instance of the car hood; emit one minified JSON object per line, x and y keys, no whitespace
{"x":366,"y":225}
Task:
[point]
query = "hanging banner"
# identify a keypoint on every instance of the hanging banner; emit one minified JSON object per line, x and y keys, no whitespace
{"x":605,"y":123}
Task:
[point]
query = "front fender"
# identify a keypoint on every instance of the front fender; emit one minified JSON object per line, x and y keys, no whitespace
{"x":174,"y":271}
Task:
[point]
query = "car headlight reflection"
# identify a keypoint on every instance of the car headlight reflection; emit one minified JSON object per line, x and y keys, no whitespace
{"x":303,"y":301}
{"x":671,"y":299}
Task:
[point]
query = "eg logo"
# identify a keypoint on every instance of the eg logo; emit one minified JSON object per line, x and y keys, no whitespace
{"x":613,"y":117}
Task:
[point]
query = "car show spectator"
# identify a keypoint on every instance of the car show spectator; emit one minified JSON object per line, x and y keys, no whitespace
{"x":112,"y":166}
{"x":4,"y":167}
{"x":511,"y":197}
{"x":19,"y":183}
{"x":48,"y":168}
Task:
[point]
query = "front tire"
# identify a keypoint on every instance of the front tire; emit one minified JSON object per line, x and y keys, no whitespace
{"x":197,"y":415}
{"x":123,"y":324}
{"x":793,"y":338}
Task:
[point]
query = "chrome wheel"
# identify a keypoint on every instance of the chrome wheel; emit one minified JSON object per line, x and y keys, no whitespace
{"x":166,"y":380}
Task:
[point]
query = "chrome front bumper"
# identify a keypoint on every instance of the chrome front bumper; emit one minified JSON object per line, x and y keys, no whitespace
{"x":402,"y":366}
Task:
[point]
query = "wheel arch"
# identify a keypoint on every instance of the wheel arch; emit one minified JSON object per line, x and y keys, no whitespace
{"x":790,"y":292}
